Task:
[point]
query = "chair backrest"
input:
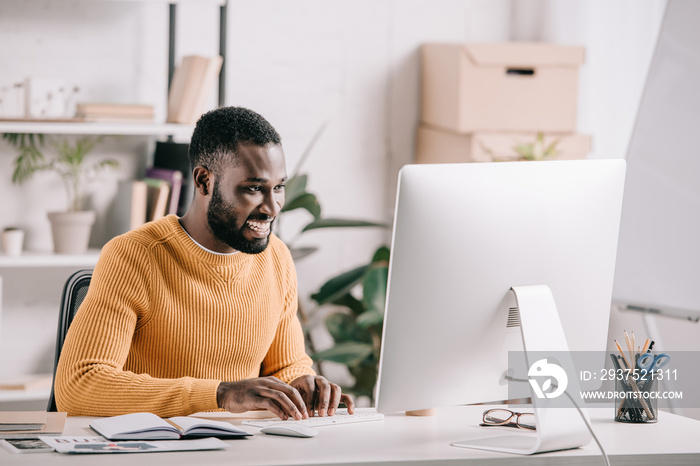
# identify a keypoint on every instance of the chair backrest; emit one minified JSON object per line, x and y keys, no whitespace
{"x":74,"y":292}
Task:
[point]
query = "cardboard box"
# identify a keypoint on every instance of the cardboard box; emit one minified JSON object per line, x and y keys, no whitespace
{"x":439,"y":146}
{"x":514,"y":86}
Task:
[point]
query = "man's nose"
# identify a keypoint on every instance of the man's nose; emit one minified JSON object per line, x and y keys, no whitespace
{"x":271,"y":205}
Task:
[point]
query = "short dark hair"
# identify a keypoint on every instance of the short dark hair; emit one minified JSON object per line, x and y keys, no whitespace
{"x":218,"y":133}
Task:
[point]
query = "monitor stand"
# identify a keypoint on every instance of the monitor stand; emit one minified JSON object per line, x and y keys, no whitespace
{"x":559,"y":424}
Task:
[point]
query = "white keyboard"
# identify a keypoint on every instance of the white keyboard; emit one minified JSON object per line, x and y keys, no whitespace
{"x":340,"y":417}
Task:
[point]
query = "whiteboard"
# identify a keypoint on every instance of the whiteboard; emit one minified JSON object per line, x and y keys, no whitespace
{"x":658,"y":262}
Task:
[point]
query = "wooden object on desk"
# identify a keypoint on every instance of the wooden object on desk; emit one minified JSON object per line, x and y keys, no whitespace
{"x":21,"y":420}
{"x":54,"y":425}
{"x":421,"y":412}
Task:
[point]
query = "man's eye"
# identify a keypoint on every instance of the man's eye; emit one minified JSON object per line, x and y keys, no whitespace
{"x":254,"y":189}
{"x":280,"y":187}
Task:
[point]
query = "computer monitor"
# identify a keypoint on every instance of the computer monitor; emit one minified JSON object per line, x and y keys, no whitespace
{"x":463,"y":235}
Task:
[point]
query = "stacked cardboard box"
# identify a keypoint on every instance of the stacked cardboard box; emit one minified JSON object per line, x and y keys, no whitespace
{"x":486,"y":102}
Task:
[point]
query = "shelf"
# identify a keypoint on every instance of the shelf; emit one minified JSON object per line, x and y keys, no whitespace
{"x":49,"y":259}
{"x":128,"y":129}
{"x":24,"y":395}
{"x":174,"y":2}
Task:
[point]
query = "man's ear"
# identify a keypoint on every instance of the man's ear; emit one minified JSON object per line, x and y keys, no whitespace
{"x":203,"y":180}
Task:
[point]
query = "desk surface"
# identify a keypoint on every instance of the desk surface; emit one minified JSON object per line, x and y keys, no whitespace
{"x":416,"y":441}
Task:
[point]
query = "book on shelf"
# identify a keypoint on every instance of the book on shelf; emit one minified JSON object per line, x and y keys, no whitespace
{"x":148,"y":426}
{"x":174,"y":179}
{"x":156,"y":198}
{"x":95,"y":108}
{"x":118,"y":113}
{"x":173,"y":155}
{"x":192,"y":86}
{"x":130,"y":206}
{"x":22,"y":420}
{"x":53,"y":426}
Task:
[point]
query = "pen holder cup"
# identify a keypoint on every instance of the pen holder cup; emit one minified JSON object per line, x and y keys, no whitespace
{"x":636,"y":400}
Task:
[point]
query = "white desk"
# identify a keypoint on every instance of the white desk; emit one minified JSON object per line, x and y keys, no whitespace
{"x":410,"y":440}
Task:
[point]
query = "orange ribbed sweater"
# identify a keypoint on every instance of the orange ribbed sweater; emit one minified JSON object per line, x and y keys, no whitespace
{"x":164,"y":322}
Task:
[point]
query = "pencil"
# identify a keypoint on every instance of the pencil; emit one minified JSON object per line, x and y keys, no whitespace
{"x":629,"y":346}
{"x":646,"y":345}
{"x":624,"y":359}
{"x":634,"y":345}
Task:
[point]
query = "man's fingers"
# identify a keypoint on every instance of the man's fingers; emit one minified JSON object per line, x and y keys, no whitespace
{"x":307,"y":388}
{"x":323,"y":395}
{"x":349,"y":402}
{"x":291,"y":392}
{"x":277,"y":399}
{"x":335,"y":399}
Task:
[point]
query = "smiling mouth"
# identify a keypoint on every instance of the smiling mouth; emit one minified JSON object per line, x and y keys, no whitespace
{"x":260,"y":227}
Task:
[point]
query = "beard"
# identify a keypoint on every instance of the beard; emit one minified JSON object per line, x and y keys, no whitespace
{"x":222,"y":223}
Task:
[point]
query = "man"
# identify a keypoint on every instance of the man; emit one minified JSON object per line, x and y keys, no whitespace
{"x":199,"y":313}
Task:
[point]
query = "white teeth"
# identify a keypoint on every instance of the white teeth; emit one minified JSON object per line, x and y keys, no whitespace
{"x":260,"y":227}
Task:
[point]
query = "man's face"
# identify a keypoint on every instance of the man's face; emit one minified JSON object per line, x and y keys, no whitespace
{"x":247,"y":197}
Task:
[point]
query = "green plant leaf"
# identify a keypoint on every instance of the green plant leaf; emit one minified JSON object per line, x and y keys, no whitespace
{"x":345,"y":353}
{"x":341,"y":223}
{"x":370,"y":318}
{"x":109,"y":163}
{"x":29,"y":161}
{"x":551,"y":150}
{"x":365,"y":375}
{"x":300,"y":253}
{"x":352,"y":303}
{"x":306,"y":201}
{"x":339,"y":285}
{"x":374,"y":289}
{"x":382,"y":254}
{"x":343,"y":328}
{"x":295,"y":187}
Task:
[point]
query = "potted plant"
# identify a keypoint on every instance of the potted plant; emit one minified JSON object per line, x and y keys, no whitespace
{"x":356,"y":329}
{"x":71,"y":228}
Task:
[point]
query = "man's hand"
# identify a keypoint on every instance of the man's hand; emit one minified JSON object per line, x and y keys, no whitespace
{"x":321,"y":395}
{"x":265,"y":392}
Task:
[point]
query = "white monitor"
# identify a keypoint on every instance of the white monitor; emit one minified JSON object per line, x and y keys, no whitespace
{"x":464,"y":234}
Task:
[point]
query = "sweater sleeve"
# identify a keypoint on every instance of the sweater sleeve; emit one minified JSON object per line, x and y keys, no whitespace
{"x":287,"y":359}
{"x":90,"y":380}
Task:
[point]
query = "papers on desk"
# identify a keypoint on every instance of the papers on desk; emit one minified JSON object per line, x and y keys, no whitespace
{"x":81,"y":445}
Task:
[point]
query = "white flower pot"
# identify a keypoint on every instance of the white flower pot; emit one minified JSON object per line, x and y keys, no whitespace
{"x":12,"y":241}
{"x":71,"y":231}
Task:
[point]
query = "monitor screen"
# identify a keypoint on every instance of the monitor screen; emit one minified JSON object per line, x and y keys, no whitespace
{"x":464,"y":234}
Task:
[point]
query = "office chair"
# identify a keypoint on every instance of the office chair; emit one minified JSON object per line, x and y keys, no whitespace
{"x":74,"y":292}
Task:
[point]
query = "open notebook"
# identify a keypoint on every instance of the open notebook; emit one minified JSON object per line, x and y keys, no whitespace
{"x":148,"y":426}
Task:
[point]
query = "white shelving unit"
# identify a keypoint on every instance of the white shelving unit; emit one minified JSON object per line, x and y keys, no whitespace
{"x":29,"y":261}
{"x":49,"y":259}
{"x":127,"y":129}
